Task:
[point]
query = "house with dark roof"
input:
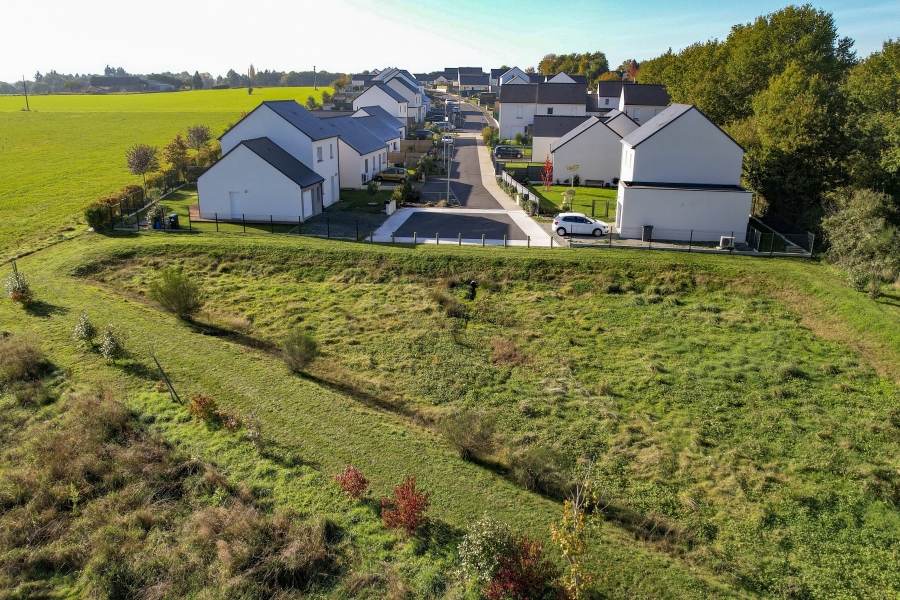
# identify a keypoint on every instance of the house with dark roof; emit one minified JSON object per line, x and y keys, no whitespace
{"x":118,"y":84}
{"x":519,"y":104}
{"x":383,"y":95}
{"x":474,"y":83}
{"x":549,"y":128}
{"x":385,"y":116}
{"x":642,"y":101}
{"x":257,"y":180}
{"x":594,"y":146}
{"x":298,"y":132}
{"x":514,"y":73}
{"x":608,"y":94}
{"x":362,"y":153}
{"x":681,"y":176}
{"x":358,"y":82}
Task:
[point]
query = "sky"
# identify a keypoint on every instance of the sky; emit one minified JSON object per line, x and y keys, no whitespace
{"x":352,"y":35}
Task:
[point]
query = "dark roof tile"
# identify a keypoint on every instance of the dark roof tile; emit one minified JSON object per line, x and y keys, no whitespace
{"x":555,"y":126}
{"x":276,"y":156}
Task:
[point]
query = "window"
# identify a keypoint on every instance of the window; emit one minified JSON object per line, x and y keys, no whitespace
{"x":607,"y":101}
{"x":549,"y":110}
{"x":331,"y":150}
{"x":519,"y":110}
{"x":637,"y":114}
{"x":367,"y":165}
{"x":319,"y":154}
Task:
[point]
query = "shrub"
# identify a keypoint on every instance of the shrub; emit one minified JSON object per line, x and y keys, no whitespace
{"x":229,"y":421}
{"x":486,"y":540}
{"x":406,"y":508}
{"x":451,"y":305}
{"x":254,"y":430}
{"x":97,"y":216}
{"x":176,"y":293}
{"x":537,"y":468}
{"x":20,"y":360}
{"x":204,"y":407}
{"x":504,"y":352}
{"x":158,"y":212}
{"x":352,"y":482}
{"x":300,"y":348}
{"x":470,"y":434}
{"x":84,"y":331}
{"x":525,"y":574}
{"x":17,"y":288}
{"x":576,"y":180}
{"x":112,"y":347}
{"x":372,"y":187}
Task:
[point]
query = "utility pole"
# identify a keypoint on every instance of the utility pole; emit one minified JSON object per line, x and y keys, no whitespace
{"x":25,"y":86}
{"x":315,"y":82}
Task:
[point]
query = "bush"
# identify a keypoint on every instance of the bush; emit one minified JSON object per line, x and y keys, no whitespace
{"x":158,"y":212}
{"x":84,"y":331}
{"x":20,"y":360}
{"x":539,"y":469}
{"x":97,"y":216}
{"x":112,"y":347}
{"x":17,"y":288}
{"x":525,"y":574}
{"x":204,"y":407}
{"x":300,"y":348}
{"x":406,"y":508}
{"x":472,"y":435}
{"x":352,"y":482}
{"x":576,"y":180}
{"x":254,"y":430}
{"x":486,"y":540}
{"x":372,"y":187}
{"x":177,"y":294}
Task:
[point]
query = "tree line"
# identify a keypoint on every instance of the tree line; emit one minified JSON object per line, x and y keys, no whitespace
{"x":821,"y":127}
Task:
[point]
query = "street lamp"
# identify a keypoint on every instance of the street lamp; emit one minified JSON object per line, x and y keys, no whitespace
{"x":447,"y":159}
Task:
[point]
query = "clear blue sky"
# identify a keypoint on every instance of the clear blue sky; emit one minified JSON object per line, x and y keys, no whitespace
{"x":352,"y":35}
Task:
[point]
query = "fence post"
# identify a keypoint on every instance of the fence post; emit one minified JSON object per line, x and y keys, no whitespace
{"x":593,"y":204}
{"x":504,"y":240}
{"x":216,"y":216}
{"x":691,"y":240}
{"x":482,"y":240}
{"x":731,"y":250}
{"x":300,"y":225}
{"x":771,"y":243}
{"x":357,"y":230}
{"x":812,"y":246}
{"x":437,"y":238}
{"x":528,"y":243}
{"x":271,"y":224}
{"x":190,"y":225}
{"x":327,"y":228}
{"x":459,"y":240}
{"x":551,"y":241}
{"x":415,"y":237}
{"x":393,"y":233}
{"x":244,"y":221}
{"x":371,"y":236}
{"x":607,"y":208}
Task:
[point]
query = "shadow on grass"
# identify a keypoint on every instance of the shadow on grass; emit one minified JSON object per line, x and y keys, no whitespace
{"x":235,"y":336}
{"x":140,"y":370}
{"x":44,"y":310}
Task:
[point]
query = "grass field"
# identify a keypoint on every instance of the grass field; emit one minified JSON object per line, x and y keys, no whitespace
{"x":587,"y":200}
{"x":70,"y":150}
{"x":742,"y":412}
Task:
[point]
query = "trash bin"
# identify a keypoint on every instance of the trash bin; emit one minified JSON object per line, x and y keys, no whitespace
{"x":172,"y":221}
{"x":647,"y":233}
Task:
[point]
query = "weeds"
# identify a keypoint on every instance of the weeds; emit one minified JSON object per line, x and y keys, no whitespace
{"x":471,"y":434}
{"x":176,"y":293}
{"x":300,"y":348}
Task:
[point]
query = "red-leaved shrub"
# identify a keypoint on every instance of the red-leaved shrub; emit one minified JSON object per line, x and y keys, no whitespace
{"x":203,"y":407}
{"x":525,"y":574}
{"x":353,"y":482}
{"x":406,"y":508}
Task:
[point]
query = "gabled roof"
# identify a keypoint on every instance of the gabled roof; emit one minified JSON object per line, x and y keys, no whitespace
{"x":516,"y":80}
{"x":470,"y":71}
{"x":616,"y":119}
{"x":387,"y":90}
{"x":645,"y":94}
{"x":474,"y":79}
{"x":355,"y":134}
{"x":663,"y":119}
{"x":555,"y":126}
{"x":361,"y":77}
{"x":563,"y":76}
{"x":592,"y":103}
{"x":591,"y":122}
{"x":405,"y":83}
{"x":299,"y":117}
{"x":276,"y":156}
{"x":609,"y":89}
{"x":376,"y":111}
{"x":424,"y":77}
{"x":536,"y":77}
{"x":379,"y":128}
{"x":495,"y":73}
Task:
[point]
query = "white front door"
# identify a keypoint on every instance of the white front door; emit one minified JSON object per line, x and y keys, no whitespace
{"x":235,"y":202}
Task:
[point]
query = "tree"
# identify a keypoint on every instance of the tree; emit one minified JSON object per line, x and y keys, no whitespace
{"x":353,"y":483}
{"x":234,"y":78}
{"x":406,"y":508}
{"x":197,"y":81}
{"x":177,"y":293}
{"x":326,"y":97}
{"x":109,"y":71}
{"x":524,"y":574}
{"x":120,"y":72}
{"x":573,"y":532}
{"x":142,"y":159}
{"x":610,"y":76}
{"x":175,"y":153}
{"x":547,"y":174}
{"x":340,"y":84}
{"x":71,"y":85}
{"x":863,"y":233}
{"x":198,"y":137}
{"x":251,"y":74}
{"x":38,"y":76}
{"x":589,"y":64}
{"x":529,"y":70}
{"x":312,"y":103}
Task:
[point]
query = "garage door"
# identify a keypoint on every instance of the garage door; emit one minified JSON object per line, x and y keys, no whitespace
{"x":235,"y":198}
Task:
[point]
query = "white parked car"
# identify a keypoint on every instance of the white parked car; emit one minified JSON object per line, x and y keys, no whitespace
{"x":447,"y":139}
{"x":569,"y":223}
{"x":445,"y":125}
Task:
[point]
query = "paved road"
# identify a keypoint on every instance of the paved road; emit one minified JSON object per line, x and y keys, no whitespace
{"x":465,"y":179}
{"x":493,"y":225}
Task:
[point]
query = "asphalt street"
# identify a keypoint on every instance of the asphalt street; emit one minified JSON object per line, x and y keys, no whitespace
{"x":492,"y":225}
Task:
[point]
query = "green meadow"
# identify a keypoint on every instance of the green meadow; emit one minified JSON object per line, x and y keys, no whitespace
{"x":70,"y":149}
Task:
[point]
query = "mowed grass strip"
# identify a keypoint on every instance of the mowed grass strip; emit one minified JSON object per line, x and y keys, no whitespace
{"x":71,"y":149}
{"x":312,"y":430}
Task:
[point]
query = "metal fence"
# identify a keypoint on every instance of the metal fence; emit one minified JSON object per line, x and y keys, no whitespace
{"x":127,"y":213}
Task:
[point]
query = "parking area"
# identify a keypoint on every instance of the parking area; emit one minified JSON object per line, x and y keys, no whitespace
{"x":493,"y":225}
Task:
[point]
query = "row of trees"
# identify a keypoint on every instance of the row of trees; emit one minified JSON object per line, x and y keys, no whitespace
{"x":820,"y":126}
{"x":591,"y":64}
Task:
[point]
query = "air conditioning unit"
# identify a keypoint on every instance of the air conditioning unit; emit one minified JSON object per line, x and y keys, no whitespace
{"x":726,"y":243}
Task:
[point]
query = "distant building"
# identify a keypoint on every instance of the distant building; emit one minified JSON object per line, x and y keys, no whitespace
{"x":118,"y":84}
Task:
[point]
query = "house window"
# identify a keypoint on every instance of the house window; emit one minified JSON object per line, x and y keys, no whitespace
{"x":367,"y":165}
{"x":637,"y":114}
{"x":519,"y":110}
{"x":549,"y":110}
{"x":331,"y":150}
{"x":606,"y":101}
{"x":319,"y":154}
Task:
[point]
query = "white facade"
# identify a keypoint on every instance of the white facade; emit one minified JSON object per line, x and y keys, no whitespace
{"x":511,"y":74}
{"x":681,"y":174}
{"x":517,"y":81}
{"x":596,"y":149}
{"x":416,"y":105}
{"x":560,"y":78}
{"x":512,"y":118}
{"x":244,"y":186}
{"x":377,"y":97}
{"x":640,"y":113}
{"x":540,"y":148}
{"x":357,"y":169}
{"x":565,"y":110}
{"x":319,"y":155}
{"x":620,"y":123}
{"x":683,"y":214}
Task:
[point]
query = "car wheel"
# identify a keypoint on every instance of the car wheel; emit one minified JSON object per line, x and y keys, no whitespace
{"x":598,"y":232}
{"x":403,"y":180}
{"x":561,"y":231}
{"x":378,"y":178}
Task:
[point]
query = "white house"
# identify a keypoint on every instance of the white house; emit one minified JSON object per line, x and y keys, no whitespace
{"x":518,"y":104}
{"x":549,"y":128}
{"x":608,"y":95}
{"x":680,"y":174}
{"x":386,"y":117}
{"x":362,"y":153}
{"x":298,"y":132}
{"x":384,"y":96}
{"x":474,"y":83}
{"x":594,"y":146}
{"x":642,"y":102}
{"x":510,"y":74}
{"x":382,"y":128}
{"x":417,"y":101}
{"x":619,"y":122}
{"x":257,"y":180}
